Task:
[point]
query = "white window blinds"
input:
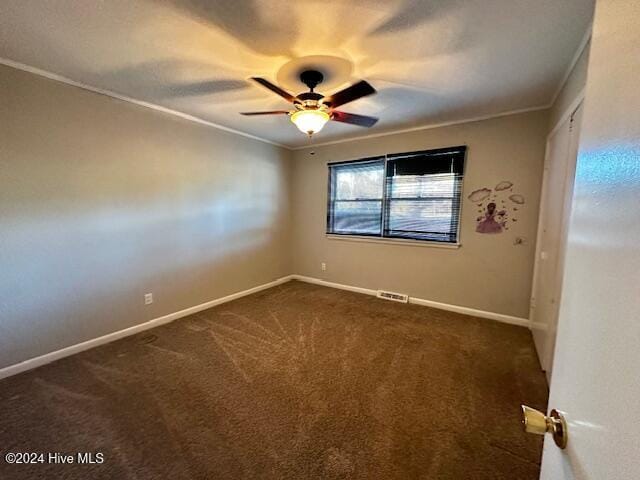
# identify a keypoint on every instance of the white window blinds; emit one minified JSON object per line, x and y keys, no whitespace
{"x":411,"y":195}
{"x":356,"y":190}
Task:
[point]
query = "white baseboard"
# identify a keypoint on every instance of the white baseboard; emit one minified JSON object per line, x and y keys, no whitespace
{"x":110,"y":337}
{"x":317,"y":281}
{"x":523,"y":322}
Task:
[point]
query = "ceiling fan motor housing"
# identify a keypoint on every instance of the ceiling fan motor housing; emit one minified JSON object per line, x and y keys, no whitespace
{"x":309,"y":97}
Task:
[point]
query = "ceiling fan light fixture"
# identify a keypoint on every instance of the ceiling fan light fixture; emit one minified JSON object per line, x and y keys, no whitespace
{"x":312,"y":109}
{"x":310,"y":121}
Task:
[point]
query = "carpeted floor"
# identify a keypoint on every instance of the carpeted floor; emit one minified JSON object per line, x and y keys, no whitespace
{"x":295,"y":382}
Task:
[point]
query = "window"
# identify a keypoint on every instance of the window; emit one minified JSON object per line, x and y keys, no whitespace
{"x":356,"y":197}
{"x":409,"y":195}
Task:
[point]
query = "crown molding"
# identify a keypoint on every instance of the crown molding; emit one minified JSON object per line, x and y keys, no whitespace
{"x":152,"y":106}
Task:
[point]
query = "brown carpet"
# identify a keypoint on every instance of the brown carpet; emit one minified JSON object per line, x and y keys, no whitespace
{"x":295,"y":382}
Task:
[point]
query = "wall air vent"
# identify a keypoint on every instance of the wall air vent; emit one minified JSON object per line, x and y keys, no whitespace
{"x":395,"y":297}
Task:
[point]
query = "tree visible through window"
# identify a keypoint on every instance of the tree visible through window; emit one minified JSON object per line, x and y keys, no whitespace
{"x":411,"y":195}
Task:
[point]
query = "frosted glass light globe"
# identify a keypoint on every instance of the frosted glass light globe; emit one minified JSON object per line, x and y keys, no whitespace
{"x":310,"y":121}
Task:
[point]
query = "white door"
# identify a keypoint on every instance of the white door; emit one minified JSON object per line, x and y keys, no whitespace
{"x":557,"y":191}
{"x":596,"y":371}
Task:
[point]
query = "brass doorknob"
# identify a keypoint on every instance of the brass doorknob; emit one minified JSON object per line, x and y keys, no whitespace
{"x":537,"y":422}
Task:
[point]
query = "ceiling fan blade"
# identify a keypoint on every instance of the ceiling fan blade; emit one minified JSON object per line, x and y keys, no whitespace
{"x":271,"y":112}
{"x":352,"y":118}
{"x":349,"y":94}
{"x":274,"y":88}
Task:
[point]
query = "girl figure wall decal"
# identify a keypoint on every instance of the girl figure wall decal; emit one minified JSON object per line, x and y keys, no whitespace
{"x":488,"y":223}
{"x":494,"y":219}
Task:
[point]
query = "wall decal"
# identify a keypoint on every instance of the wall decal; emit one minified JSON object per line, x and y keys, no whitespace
{"x":496,"y":219}
{"x":504,"y":185}
{"x":479,"y":195}
{"x":519,"y":199}
{"x":492,"y":222}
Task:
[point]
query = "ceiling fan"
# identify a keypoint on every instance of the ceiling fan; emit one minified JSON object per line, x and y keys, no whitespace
{"x":312,"y":110}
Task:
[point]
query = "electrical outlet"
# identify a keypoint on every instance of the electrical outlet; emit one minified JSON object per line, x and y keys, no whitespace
{"x":148,"y":298}
{"x":323,"y":267}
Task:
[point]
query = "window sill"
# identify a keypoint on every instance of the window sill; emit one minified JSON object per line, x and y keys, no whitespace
{"x":394,"y":241}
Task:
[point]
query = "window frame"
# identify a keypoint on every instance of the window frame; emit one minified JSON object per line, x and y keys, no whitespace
{"x":392,"y":239}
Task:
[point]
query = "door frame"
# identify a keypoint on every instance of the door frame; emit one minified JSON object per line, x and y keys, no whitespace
{"x":568,"y":181}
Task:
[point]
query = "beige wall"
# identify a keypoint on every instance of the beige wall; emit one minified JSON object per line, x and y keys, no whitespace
{"x":102,"y":201}
{"x":488,"y":272}
{"x":572,"y":87}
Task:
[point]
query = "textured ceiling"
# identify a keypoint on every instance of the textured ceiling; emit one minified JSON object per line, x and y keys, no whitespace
{"x":431,"y":61}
